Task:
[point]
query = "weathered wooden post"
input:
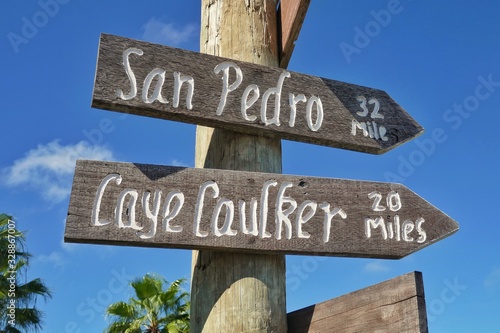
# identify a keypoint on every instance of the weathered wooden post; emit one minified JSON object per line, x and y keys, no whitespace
{"x":238,"y":292}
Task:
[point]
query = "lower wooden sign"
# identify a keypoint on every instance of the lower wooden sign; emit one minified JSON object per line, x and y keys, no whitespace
{"x":162,"y":206}
{"x":396,"y":305}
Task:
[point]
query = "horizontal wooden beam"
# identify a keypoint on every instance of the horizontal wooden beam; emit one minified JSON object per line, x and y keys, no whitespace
{"x":396,"y":305}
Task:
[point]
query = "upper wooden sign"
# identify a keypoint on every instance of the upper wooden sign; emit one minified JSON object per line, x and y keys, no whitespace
{"x":162,"y":82}
{"x":161,"y":206}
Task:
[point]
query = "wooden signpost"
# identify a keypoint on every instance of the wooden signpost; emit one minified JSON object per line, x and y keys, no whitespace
{"x":161,"y":206}
{"x":243,"y":222}
{"x":167,"y":83}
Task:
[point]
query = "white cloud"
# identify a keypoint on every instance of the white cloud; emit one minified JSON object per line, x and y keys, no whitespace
{"x":492,"y":281}
{"x":179,"y":163}
{"x":48,"y":169}
{"x":69,"y":247}
{"x":376,"y":267}
{"x":156,"y":31}
{"x":55,"y":258}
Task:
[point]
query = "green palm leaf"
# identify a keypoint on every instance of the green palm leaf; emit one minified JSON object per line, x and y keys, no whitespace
{"x":14,"y":260}
{"x":154,"y":309}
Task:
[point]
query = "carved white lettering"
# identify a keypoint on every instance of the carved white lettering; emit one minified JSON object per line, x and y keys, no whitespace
{"x":362,"y":100}
{"x":263,"y":233}
{"x":228,"y":220}
{"x":276,"y":91}
{"x":394,"y":201}
{"x":179,"y":80}
{"x":282,"y":216}
{"x":293,"y":100}
{"x":254,"y":229}
{"x":130,"y":212}
{"x":289,"y":215}
{"x":390,"y":230}
{"x":199,"y":206}
{"x":170,"y":215}
{"x":319,"y":113}
{"x":373,"y":224}
{"x":408,"y":227}
{"x":157,"y":72}
{"x":376,"y":108}
{"x":329,"y":215}
{"x":357,"y":125}
{"x":377,"y":198}
{"x":151,"y":214}
{"x":370,"y":129}
{"x":394,"y":229}
{"x":226,"y":87}
{"x":246,"y":103}
{"x":98,"y":198}
{"x":422,"y":234}
{"x":302,"y":219}
{"x":130,"y":74}
{"x":397,"y":226}
{"x":153,"y":90}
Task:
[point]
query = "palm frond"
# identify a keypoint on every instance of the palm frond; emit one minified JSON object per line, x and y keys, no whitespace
{"x":28,"y":292}
{"x":29,"y":319}
{"x":146,"y":287}
{"x":14,"y":261}
{"x":157,"y":308}
{"x":122,"y":310}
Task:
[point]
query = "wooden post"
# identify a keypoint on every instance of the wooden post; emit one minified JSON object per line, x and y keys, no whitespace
{"x":238,"y":292}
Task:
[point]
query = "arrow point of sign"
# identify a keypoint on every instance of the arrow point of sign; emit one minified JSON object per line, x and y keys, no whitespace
{"x":438,"y":225}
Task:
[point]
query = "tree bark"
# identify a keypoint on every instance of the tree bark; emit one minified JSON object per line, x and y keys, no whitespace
{"x":234,"y":292}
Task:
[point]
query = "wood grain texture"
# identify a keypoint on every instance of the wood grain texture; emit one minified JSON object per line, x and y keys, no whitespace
{"x":347,"y":236}
{"x":238,"y":292}
{"x":292,"y":14}
{"x":396,"y":305}
{"x":339,"y":100}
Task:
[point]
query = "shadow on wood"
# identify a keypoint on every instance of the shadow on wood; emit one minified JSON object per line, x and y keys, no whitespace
{"x":396,"y":305}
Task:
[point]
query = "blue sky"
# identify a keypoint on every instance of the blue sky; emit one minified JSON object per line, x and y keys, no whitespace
{"x":439,"y":60}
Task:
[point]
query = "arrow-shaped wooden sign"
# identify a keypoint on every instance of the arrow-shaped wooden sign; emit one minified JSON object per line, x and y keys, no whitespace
{"x":162,"y":206}
{"x":163,"y":82}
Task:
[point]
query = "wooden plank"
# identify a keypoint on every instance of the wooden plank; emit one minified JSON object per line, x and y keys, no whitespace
{"x":140,"y":78}
{"x":203,"y":209}
{"x":396,"y":305}
{"x":292,"y":14}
